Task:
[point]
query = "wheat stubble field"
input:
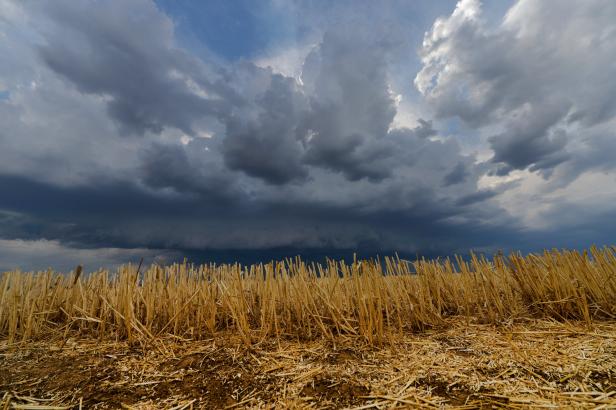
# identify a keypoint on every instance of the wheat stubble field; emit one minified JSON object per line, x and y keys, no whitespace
{"x":536,"y":331}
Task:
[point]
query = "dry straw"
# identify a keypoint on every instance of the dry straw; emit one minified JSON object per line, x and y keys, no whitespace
{"x":367,"y":299}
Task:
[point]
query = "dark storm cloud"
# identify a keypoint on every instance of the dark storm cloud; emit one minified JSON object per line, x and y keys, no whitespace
{"x":127,"y":55}
{"x":306,"y":229}
{"x":119,"y":198}
{"x":170,"y":166}
{"x":352,"y":156}
{"x":456,"y":176}
{"x":531,"y":141}
{"x":351,"y":106}
{"x":336,"y":120}
{"x":475,"y":197}
{"x":111,"y":214}
{"x":424,"y":129}
{"x":117,"y":216}
{"x":269,"y":146}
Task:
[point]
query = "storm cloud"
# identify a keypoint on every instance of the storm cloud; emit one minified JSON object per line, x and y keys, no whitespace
{"x":119,"y":135}
{"x":148,"y":82}
{"x":269,"y":146}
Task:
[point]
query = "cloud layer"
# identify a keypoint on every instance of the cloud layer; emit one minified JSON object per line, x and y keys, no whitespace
{"x":116,"y":135}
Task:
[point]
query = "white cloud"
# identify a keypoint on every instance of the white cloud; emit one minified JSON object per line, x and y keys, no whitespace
{"x":287,"y":61}
{"x":545,"y":70}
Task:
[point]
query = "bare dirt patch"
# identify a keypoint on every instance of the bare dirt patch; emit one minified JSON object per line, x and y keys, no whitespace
{"x":343,"y":393}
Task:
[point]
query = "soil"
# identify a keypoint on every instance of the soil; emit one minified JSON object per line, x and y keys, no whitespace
{"x":476,"y":366}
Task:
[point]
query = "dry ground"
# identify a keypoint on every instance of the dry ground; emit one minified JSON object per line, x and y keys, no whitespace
{"x":464,"y":365}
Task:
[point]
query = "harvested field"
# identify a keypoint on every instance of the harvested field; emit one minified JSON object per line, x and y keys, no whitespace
{"x":515,"y":332}
{"x":541,"y":364}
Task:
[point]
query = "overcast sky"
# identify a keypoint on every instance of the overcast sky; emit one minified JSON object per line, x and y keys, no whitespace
{"x":250,"y":130}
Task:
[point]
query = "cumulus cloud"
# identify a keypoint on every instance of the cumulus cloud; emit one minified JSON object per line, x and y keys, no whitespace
{"x":545,"y":66}
{"x":185,"y":169}
{"x":530,"y":140}
{"x":269,"y":146}
{"x":127,"y":55}
{"x":351,"y":106}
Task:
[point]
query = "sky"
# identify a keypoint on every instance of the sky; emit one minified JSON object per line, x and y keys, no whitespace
{"x":243,"y":130}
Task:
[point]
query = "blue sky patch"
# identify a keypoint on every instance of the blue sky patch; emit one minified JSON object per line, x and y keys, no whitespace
{"x":232,"y":29}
